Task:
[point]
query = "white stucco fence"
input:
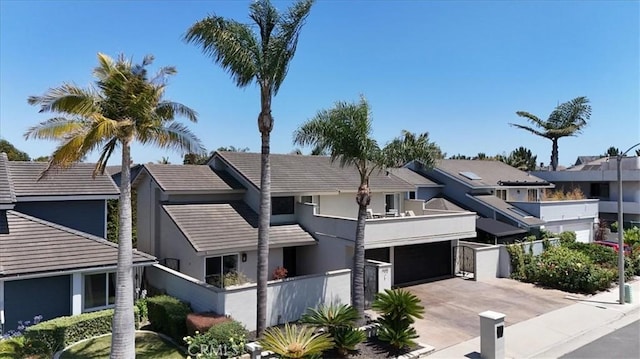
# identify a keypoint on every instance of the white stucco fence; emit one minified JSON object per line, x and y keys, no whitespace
{"x":287,"y":299}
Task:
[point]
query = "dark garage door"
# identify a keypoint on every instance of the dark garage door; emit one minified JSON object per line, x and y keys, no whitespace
{"x":421,"y":262}
{"x":24,"y":299}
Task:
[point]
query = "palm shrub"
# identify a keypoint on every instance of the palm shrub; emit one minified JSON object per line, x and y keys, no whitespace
{"x":296,"y":342}
{"x":339,"y":321}
{"x":399,"y":309}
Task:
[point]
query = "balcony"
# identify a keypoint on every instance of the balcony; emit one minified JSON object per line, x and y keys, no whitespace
{"x":550,"y":211}
{"x":425,"y":227}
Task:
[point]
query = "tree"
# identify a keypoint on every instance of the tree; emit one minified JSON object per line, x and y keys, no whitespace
{"x":345,"y":132}
{"x":612,"y":152}
{"x":263,"y":58}
{"x":567,"y":119}
{"x":459,"y":157}
{"x":164,"y":161}
{"x":13,"y":154}
{"x":522,"y":159}
{"x":125,"y":105}
{"x":41,"y":159}
{"x":406,"y":148}
{"x":233,"y":149}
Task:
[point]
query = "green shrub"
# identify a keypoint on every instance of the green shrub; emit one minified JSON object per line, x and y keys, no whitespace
{"x":605,"y":256}
{"x":339,"y":321}
{"x":399,"y":309}
{"x":228,"y":334}
{"x":516,"y":253}
{"x":295,"y":342}
{"x":168,"y":315}
{"x":226,"y":342}
{"x":632,"y":236}
{"x":614,"y":226}
{"x":55,"y":334}
{"x":571,"y":270}
{"x":567,"y":237}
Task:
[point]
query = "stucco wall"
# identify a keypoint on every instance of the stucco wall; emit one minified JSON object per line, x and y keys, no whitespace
{"x":428,"y":193}
{"x":145,"y":210}
{"x":329,"y":254}
{"x":250,"y":267}
{"x":344,"y":204}
{"x":173,"y":244}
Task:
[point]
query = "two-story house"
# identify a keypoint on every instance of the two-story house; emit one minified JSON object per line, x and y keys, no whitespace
{"x":54,"y":260}
{"x":502,"y":194}
{"x":598,"y":179}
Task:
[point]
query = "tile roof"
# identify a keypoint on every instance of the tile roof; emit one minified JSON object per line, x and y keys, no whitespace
{"x":509,"y":210}
{"x":230,"y":226}
{"x":7,"y":194}
{"x":497,"y":228}
{"x":413,"y":178}
{"x":74,"y":181}
{"x":442,"y":204}
{"x":491,"y":173}
{"x":308,"y":174}
{"x":190,"y":178}
{"x":30,"y":245}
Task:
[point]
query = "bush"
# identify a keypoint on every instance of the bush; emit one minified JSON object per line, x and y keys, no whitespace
{"x":614,"y":226}
{"x":55,"y":334}
{"x":227,"y":334}
{"x":567,"y":237}
{"x":339,"y":321}
{"x":517,"y":255}
{"x":570,"y":270}
{"x":168,"y":315}
{"x":227,"y":341}
{"x":201,"y":322}
{"x":605,"y":257}
{"x":632,"y":236}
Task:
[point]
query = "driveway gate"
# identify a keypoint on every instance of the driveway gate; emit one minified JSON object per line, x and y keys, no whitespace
{"x":464,"y":258}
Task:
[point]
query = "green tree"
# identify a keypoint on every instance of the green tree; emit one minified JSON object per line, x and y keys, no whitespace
{"x":408,"y":146}
{"x":13,"y":154}
{"x":612,"y":152}
{"x":263,"y":58}
{"x":567,"y":119}
{"x":124,"y":106}
{"x":163,"y":161}
{"x":522,"y":159}
{"x":459,"y":157}
{"x":41,"y":159}
{"x":345,"y":132}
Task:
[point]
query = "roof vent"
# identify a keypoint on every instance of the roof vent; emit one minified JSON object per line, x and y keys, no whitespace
{"x":470,"y":175}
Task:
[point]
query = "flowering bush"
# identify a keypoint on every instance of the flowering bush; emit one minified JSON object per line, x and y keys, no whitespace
{"x":280,"y":273}
{"x":224,"y":340}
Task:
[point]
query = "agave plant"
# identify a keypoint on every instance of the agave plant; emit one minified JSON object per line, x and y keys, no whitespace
{"x":399,"y":309}
{"x":296,"y":342}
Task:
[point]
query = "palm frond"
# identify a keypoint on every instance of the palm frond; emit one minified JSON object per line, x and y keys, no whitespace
{"x":175,"y":136}
{"x":67,"y":99}
{"x":230,"y":44}
{"x":105,"y":154}
{"x":54,"y":128}
{"x":168,"y":110}
{"x":532,"y":130}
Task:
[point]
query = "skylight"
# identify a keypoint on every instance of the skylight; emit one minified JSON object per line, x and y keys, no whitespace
{"x":470,"y":175}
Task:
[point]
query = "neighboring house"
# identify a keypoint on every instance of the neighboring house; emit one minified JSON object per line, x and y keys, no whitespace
{"x":502,"y":193}
{"x":598,"y":179}
{"x":319,"y":195}
{"x":54,"y":260}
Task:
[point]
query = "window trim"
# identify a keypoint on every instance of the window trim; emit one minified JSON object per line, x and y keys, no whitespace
{"x":84,"y":294}
{"x":237,"y":254}
{"x":502,"y":191}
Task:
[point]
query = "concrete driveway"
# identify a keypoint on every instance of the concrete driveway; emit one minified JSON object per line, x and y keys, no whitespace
{"x":452,"y":306}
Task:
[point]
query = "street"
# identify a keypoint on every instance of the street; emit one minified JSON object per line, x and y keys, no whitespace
{"x":622,"y":343}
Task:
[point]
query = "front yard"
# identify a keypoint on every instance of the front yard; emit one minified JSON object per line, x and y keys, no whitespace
{"x":148,"y":346}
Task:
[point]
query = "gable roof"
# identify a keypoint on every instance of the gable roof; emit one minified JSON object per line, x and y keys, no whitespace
{"x":7,"y":194}
{"x":230,"y":226}
{"x":308,"y":174}
{"x":74,"y":181}
{"x":413,"y":178}
{"x":29,"y":245}
{"x":488,"y":174}
{"x":199,"y":178}
{"x":442,"y":204}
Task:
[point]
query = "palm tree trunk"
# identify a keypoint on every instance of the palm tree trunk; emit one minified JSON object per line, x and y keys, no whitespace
{"x":554,"y":154}
{"x":123,"y":337}
{"x":265,"y":123}
{"x":363,"y":199}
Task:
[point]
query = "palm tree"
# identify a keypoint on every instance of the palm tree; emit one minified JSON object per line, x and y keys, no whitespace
{"x":263,"y":57}
{"x":567,"y":119}
{"x":612,"y":152}
{"x":344,"y":131}
{"x":402,"y":148}
{"x":123,"y":107}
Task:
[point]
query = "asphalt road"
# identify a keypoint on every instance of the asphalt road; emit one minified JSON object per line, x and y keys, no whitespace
{"x":622,"y":343}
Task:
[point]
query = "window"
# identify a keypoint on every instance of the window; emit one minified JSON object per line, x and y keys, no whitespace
{"x":600,"y":190}
{"x":532,"y":195}
{"x":217,"y":267}
{"x":99,"y":290}
{"x":391,"y":203}
{"x":306,"y":199}
{"x":412,"y":195}
{"x":282,"y":205}
{"x":502,"y":194}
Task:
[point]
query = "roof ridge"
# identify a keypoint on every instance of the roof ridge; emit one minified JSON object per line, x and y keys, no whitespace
{"x":5,"y":160}
{"x":89,"y":236}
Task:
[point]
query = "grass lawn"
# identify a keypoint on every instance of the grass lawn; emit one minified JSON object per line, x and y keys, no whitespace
{"x":148,"y":346}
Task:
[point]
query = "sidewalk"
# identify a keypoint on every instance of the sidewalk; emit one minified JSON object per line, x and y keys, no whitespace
{"x":561,"y":331}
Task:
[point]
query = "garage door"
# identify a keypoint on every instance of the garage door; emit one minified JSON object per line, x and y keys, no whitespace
{"x":421,"y":262}
{"x":24,"y":299}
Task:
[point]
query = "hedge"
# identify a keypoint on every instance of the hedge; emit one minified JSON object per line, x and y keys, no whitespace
{"x":58,"y":333}
{"x":168,"y":315}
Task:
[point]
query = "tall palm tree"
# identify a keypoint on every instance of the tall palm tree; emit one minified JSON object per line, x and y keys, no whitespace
{"x":124,"y":106}
{"x":263,"y":58}
{"x":345,"y":132}
{"x":567,"y":119}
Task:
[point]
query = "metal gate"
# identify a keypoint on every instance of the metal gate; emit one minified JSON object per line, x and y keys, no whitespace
{"x":370,"y":284}
{"x":464,"y":258}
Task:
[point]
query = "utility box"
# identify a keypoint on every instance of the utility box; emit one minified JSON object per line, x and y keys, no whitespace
{"x":491,"y":335}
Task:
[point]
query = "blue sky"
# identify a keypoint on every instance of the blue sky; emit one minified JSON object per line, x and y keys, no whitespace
{"x":456,"y":69}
